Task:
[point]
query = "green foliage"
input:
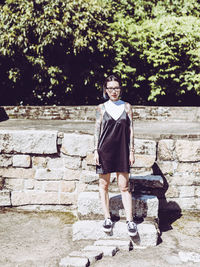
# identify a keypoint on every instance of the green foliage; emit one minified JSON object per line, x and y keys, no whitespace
{"x":58,"y":51}
{"x":50,"y":46}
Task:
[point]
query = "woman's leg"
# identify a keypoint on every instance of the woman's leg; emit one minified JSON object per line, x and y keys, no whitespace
{"x":123,"y":179}
{"x":104,"y":181}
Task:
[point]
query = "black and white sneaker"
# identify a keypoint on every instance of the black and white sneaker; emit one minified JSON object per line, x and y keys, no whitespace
{"x":107,"y":225}
{"x":132,"y":228}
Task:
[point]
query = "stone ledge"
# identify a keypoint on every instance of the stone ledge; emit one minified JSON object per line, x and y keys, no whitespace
{"x":89,"y":206}
{"x":152,"y":181}
{"x":92,"y":230}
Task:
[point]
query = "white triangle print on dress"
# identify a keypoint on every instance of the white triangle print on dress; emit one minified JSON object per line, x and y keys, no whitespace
{"x":114,"y":109}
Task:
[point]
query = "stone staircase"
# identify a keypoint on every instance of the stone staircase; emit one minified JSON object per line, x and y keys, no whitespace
{"x":89,"y":226}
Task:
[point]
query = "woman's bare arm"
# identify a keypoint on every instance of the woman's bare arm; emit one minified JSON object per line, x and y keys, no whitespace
{"x":97,"y":126}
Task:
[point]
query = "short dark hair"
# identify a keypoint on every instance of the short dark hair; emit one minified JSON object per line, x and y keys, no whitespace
{"x":110,"y":78}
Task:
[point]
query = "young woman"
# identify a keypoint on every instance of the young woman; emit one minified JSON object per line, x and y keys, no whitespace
{"x":114,"y":149}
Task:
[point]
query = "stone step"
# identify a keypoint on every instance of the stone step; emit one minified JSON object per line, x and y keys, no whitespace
{"x":89,"y":206}
{"x":148,"y":181}
{"x":92,"y":230}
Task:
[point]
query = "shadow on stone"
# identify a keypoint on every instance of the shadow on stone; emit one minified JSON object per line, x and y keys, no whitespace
{"x":135,"y":239}
{"x":168,"y":212}
{"x":3,"y":115}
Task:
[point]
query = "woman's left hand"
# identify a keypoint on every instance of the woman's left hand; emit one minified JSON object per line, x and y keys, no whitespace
{"x":131,"y":158}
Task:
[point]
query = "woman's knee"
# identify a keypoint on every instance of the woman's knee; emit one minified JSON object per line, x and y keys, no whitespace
{"x":104,"y":183}
{"x":123,"y":182}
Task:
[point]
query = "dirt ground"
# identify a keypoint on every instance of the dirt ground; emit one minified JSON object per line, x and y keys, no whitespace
{"x":41,"y":239}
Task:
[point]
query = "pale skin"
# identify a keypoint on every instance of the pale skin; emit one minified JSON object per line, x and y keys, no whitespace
{"x":122,"y":177}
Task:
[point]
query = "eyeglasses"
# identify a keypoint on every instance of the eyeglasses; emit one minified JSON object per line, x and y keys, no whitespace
{"x":117,"y":89}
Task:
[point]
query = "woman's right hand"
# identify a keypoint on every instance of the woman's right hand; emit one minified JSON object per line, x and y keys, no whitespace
{"x":96,"y":157}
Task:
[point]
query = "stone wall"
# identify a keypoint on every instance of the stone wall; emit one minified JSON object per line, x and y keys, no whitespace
{"x":87,"y":113}
{"x":48,"y":169}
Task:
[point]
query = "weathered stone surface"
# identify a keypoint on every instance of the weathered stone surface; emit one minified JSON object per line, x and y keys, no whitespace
{"x":21,"y":161}
{"x":72,"y":175}
{"x":89,"y":177}
{"x":90,"y":159}
{"x":92,"y":255}
{"x":188,"y":168}
{"x":107,"y":250}
{"x":187,"y":151}
{"x":74,"y":262}
{"x":172,"y":191}
{"x":146,"y":161}
{"x":188,"y":256}
{"x":47,"y":174}
{"x":39,"y":162}
{"x":185,"y":179}
{"x":55,"y":163}
{"x":89,"y":205}
{"x":51,"y":186}
{"x":152,"y":181}
{"x":187,"y":203}
{"x":5,"y":198}
{"x":77,"y":144}
{"x":5,"y":160}
{"x":186,"y":191}
{"x":17,"y":173}
{"x":34,"y":197}
{"x":14,"y":184}
{"x":29,"y":184}
{"x":167,"y":167}
{"x":165,"y":149}
{"x":73,"y":163}
{"x":67,"y":186}
{"x":29,"y":141}
{"x":147,"y":147}
{"x":120,"y":244}
{"x":147,"y":233}
{"x":68,"y":198}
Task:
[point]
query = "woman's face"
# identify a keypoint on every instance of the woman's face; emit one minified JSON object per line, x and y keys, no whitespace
{"x":113,"y":90}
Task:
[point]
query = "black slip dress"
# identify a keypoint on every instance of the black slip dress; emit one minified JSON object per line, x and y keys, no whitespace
{"x":113,"y":145}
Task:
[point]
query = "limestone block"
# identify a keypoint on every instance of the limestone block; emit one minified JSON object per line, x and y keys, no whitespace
{"x":89,"y":205}
{"x":55,"y":163}
{"x":186,"y":191}
{"x":14,"y":184}
{"x":74,"y":262}
{"x":21,"y":161}
{"x":34,"y":197}
{"x":68,"y":198}
{"x":89,"y":177}
{"x":29,"y":141}
{"x":87,"y":167}
{"x":5,"y":198}
{"x":147,"y":147}
{"x":165,"y":149}
{"x":172,"y":191}
{"x":185,"y":179}
{"x":197,"y":192}
{"x":92,"y":255}
{"x":90,"y":159}
{"x":152,"y":181}
{"x":39,"y":162}
{"x":39,"y":185}
{"x":146,"y":161}
{"x":47,"y":174}
{"x":29,"y":184}
{"x":73,"y":163}
{"x":187,"y":256}
{"x":188,"y":151}
{"x":17,"y":173}
{"x":71,"y":175}
{"x":187,"y":203}
{"x":166,"y":167}
{"x":107,"y":250}
{"x":51,"y":186}
{"x":5,"y":160}
{"x":120,"y":244}
{"x":92,"y":230}
{"x":188,"y":168}
{"x":77,"y":144}
{"x":67,"y":186}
